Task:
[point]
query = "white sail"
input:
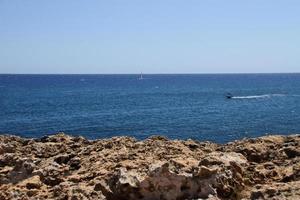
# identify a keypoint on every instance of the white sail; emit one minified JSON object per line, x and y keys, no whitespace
{"x":141,"y":77}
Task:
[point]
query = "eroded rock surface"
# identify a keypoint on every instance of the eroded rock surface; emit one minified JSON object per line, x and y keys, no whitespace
{"x":66,"y":167}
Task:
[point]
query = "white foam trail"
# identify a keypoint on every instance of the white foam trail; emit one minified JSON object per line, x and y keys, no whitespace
{"x":251,"y":97}
{"x":257,"y":96}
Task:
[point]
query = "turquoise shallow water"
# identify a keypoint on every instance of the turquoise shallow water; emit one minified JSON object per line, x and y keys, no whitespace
{"x":177,"y":106}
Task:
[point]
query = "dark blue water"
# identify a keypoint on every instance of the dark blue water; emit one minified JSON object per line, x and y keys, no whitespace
{"x":177,"y":106}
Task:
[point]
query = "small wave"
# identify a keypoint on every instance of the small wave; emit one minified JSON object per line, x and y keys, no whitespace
{"x":257,"y":96}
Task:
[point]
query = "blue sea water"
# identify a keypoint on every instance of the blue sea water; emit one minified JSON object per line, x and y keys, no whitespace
{"x":177,"y":106}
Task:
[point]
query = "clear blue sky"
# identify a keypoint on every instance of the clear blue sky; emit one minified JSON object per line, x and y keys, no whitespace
{"x":154,"y":36}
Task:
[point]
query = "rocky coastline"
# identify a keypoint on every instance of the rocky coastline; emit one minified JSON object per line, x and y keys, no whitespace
{"x":66,"y":167}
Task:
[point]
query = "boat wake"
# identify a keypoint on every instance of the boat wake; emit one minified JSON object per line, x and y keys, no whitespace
{"x":258,"y":96}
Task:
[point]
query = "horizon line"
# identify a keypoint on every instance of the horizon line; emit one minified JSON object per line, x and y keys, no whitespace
{"x":218,"y":73}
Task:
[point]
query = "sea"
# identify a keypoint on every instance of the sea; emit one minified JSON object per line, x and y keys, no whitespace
{"x":178,"y":106}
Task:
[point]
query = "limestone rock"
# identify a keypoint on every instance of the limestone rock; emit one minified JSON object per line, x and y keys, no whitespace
{"x":65,"y":167}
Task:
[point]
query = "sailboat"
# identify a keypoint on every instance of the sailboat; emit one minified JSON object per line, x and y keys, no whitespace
{"x":141,"y":77}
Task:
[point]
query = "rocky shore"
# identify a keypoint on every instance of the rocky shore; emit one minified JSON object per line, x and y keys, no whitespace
{"x":66,"y":167}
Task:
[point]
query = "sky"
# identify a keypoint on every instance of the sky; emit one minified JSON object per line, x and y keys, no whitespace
{"x":155,"y":36}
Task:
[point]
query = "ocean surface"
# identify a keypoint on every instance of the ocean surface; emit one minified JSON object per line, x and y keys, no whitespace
{"x":177,"y":106}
